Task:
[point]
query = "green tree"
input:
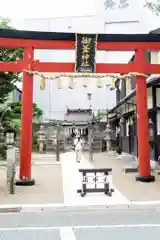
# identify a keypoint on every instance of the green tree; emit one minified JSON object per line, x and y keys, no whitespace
{"x":12,"y":114}
{"x":154,"y":6}
{"x":101,"y":113}
{"x":7,"y":79}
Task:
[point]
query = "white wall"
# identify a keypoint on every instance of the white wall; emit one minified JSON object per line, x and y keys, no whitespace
{"x":135,"y":12}
{"x":81,"y":24}
{"x":150,"y":102}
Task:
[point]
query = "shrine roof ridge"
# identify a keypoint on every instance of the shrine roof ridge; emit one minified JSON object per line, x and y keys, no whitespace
{"x":36,"y":35}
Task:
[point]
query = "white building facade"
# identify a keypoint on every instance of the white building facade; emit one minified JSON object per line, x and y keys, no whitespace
{"x":117,"y":16}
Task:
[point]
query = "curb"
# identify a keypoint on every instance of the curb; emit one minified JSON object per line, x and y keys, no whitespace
{"x":20,"y":208}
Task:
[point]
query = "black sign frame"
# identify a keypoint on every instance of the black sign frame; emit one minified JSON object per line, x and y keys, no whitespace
{"x":106,"y":190}
{"x":86,"y":45}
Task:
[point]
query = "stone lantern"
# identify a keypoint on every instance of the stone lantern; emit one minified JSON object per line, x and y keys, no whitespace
{"x":41,"y":139}
{"x":10,"y":135}
{"x":108,"y":137}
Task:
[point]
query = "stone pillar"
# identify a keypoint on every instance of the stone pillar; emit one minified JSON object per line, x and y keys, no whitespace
{"x":122,"y":131}
{"x":90,"y":142}
{"x":122,"y":126}
{"x":58,"y":143}
{"x":41,"y":139}
{"x":108,"y":137}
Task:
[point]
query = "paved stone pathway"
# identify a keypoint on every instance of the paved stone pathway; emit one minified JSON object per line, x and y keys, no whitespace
{"x":48,"y":187}
{"x":72,"y":181}
{"x":125,"y":183}
{"x":57,"y":183}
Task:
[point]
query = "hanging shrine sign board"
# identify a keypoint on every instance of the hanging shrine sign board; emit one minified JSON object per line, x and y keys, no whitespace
{"x":85,"y":53}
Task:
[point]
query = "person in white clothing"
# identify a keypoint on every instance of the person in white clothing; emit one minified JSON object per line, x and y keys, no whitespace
{"x":78,"y":143}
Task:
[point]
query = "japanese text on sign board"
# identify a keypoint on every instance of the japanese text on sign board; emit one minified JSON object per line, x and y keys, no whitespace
{"x":94,"y":179}
{"x":86,"y":47}
{"x":85,"y":51}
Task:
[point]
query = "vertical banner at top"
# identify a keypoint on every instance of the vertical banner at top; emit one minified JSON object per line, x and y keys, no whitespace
{"x":85,"y":53}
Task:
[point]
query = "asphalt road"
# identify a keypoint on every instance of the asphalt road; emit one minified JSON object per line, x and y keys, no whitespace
{"x":141,"y":223}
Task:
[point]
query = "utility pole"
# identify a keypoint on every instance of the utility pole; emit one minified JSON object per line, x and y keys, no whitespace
{"x":107,"y":113}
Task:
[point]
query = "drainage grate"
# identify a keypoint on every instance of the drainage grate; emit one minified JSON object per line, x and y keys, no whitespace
{"x":10,"y":210}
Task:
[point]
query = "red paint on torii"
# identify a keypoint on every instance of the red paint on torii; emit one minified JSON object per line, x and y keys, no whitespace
{"x":28,"y":63}
{"x":19,"y":66}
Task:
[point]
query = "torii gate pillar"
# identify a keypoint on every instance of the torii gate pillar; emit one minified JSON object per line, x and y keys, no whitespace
{"x":142,"y":121}
{"x":26,"y":122}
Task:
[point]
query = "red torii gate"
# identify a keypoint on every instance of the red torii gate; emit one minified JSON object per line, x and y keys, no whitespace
{"x":30,"y":40}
